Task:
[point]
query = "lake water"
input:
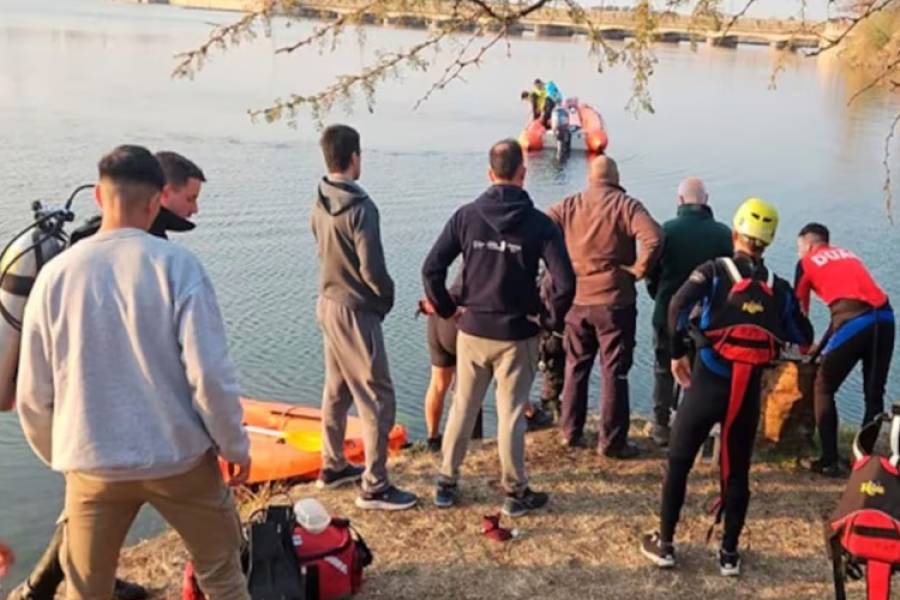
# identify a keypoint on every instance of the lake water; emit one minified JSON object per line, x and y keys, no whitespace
{"x":78,"y":77}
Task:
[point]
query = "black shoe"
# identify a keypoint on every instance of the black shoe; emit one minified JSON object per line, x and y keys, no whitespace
{"x":833,"y":469}
{"x":329,"y":478}
{"x":434,"y":444}
{"x":539,"y":419}
{"x":624,"y":452}
{"x":661,"y":554}
{"x":527,"y":501}
{"x":391,"y":498}
{"x":551,"y":405}
{"x":577,"y":442}
{"x":125,"y":590}
{"x":660,"y":435}
{"x":729,"y":563}
{"x":445,"y":495}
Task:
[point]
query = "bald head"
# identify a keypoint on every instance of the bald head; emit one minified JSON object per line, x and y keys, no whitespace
{"x":692,"y":191}
{"x":603,"y":169}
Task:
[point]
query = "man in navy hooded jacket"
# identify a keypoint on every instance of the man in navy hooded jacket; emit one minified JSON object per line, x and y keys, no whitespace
{"x":502,"y":238}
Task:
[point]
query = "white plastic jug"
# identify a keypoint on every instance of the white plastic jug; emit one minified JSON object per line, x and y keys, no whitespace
{"x":311,"y":515}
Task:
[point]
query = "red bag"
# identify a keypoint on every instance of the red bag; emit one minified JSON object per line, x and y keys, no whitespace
{"x":333,"y":559}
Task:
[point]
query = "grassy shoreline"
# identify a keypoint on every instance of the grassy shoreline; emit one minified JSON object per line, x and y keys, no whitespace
{"x":584,"y":545}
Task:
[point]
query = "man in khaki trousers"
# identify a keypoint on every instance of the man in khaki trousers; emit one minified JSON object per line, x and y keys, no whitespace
{"x":126,"y":387}
{"x":502,"y":238}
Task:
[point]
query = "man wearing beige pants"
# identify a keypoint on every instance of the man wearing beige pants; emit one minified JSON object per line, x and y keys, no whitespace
{"x":502,"y":238}
{"x":355,"y":295}
{"x":125,"y":386}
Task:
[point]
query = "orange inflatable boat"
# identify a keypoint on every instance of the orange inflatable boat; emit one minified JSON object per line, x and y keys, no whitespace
{"x":588,"y":134}
{"x":276,"y":458}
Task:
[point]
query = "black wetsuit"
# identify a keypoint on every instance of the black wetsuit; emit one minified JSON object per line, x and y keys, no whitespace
{"x":706,"y":401}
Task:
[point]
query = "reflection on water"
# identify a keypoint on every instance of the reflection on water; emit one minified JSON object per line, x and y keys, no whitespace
{"x":79,"y":77}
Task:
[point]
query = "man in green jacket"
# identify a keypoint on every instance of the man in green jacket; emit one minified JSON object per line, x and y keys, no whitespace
{"x":689,"y":240}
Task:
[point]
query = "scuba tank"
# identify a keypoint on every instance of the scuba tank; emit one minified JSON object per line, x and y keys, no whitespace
{"x":21,"y":260}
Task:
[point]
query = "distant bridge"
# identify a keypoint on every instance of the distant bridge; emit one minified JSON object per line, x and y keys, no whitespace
{"x":554,"y":23}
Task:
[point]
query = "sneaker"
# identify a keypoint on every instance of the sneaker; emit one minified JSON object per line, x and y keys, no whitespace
{"x":539,"y":419}
{"x":391,"y":498}
{"x":434,"y":444}
{"x":445,"y":495}
{"x":624,"y":452}
{"x":831,"y":469}
{"x":661,"y":554}
{"x":329,"y":478}
{"x":660,"y":435}
{"x":729,"y":563}
{"x":527,"y":501}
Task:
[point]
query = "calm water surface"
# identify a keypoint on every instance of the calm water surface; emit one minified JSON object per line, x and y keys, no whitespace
{"x":78,"y":77}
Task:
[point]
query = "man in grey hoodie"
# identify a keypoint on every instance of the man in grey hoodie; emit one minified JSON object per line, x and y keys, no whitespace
{"x":355,"y":294}
{"x":125,"y":386}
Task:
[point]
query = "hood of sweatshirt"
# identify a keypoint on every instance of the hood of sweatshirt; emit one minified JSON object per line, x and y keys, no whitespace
{"x":339,"y":195}
{"x":504,"y":207}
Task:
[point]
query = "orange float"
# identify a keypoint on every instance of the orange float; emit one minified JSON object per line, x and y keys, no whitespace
{"x":273,"y":459}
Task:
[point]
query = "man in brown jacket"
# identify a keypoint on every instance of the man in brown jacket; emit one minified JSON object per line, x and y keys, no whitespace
{"x":601,"y":225}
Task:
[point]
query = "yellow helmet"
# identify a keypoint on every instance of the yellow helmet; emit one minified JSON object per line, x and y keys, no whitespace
{"x":756,"y":219}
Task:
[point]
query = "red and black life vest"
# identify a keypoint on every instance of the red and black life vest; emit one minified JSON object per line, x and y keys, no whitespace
{"x":745,"y":328}
{"x":865,"y":527}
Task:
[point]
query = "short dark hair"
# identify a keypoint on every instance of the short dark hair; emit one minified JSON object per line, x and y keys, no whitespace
{"x":178,"y":169}
{"x":339,"y":143}
{"x":526,"y":95}
{"x":506,"y":157}
{"x":132,"y":165}
{"x":816,"y":230}
{"x":538,"y":82}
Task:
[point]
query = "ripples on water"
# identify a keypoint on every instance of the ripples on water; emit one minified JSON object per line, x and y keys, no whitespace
{"x":79,"y":77}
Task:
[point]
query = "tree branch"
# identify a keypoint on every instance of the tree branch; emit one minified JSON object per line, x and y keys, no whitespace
{"x":888,"y":196}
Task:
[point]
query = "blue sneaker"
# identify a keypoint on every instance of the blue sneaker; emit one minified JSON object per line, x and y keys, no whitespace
{"x":445,"y":495}
{"x":391,"y":498}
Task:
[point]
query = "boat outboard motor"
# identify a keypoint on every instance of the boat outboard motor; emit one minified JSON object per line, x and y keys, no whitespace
{"x":21,"y":260}
{"x":559,"y":120}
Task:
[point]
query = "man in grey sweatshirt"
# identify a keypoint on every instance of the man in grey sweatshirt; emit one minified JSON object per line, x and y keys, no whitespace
{"x":126,"y":387}
{"x":355,"y":294}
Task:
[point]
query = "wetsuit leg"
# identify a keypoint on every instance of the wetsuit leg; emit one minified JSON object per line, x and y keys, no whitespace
{"x":876,"y":361}
{"x":836,"y":365}
{"x":704,"y":404}
{"x":740,"y":451}
{"x":664,"y":383}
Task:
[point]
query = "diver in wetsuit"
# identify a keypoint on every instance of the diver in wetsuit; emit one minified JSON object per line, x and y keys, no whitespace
{"x":861,"y":330}
{"x":747,"y":314}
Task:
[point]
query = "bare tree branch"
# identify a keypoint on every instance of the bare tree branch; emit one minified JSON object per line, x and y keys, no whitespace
{"x":888,"y":196}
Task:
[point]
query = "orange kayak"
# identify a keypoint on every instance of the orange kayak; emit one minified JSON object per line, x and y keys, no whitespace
{"x":274,"y":459}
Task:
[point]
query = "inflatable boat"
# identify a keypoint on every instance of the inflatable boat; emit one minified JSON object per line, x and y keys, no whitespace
{"x":581,"y":123}
{"x":274,"y":426}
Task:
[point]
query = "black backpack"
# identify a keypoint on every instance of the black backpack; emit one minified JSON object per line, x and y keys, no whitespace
{"x":864,"y":530}
{"x":271,"y":563}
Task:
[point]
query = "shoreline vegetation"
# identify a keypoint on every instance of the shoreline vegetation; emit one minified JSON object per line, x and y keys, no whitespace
{"x":584,"y":545}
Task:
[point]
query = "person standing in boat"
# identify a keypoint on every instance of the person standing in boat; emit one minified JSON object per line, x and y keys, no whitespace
{"x":134,"y":404}
{"x":355,"y":295}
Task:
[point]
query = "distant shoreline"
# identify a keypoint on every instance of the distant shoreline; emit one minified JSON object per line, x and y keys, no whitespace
{"x":612,"y":25}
